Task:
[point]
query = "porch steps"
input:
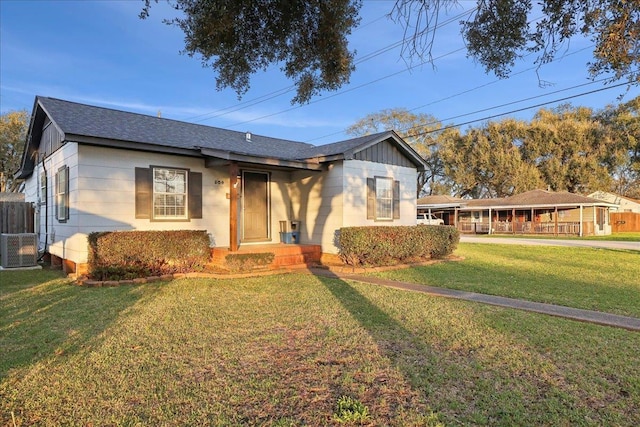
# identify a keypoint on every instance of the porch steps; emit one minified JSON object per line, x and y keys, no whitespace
{"x":286,"y":255}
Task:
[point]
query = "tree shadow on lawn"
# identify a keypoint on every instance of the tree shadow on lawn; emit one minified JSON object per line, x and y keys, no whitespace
{"x":395,"y":343}
{"x":43,"y":315}
{"x":546,"y":285}
{"x":462,"y":366}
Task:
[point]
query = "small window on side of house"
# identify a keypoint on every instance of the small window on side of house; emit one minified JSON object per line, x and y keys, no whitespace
{"x":43,"y":188}
{"x":62,"y":194}
{"x":383,"y":199}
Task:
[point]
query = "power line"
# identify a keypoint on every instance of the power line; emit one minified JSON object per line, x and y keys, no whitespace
{"x":515,"y":111}
{"x":285,"y":90}
{"x":476,"y":88}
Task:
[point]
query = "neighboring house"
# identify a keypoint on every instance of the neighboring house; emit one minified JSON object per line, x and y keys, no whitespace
{"x":625,"y":204}
{"x":95,"y":169}
{"x":442,"y":206}
{"x":532,"y":212}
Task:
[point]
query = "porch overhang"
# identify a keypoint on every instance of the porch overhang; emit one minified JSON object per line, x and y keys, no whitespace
{"x":215,"y":158}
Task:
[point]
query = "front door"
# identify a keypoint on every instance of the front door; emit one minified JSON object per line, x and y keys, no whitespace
{"x":255,"y":196}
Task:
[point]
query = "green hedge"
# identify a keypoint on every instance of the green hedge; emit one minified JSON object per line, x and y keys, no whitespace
{"x":116,"y":255}
{"x":377,"y":246}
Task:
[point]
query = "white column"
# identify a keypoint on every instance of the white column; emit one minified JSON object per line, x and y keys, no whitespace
{"x":581,"y":231}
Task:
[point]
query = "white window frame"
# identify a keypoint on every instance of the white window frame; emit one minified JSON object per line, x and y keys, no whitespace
{"x":384,"y":198}
{"x":166,"y":200}
{"x":62,"y":198}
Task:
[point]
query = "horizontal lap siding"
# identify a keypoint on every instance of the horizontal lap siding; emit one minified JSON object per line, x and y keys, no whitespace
{"x":317,"y":201}
{"x":104,"y":199}
{"x":355,"y":196}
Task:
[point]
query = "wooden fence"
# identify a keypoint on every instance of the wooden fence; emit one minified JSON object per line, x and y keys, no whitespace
{"x":16,"y":217}
{"x":624,"y":221}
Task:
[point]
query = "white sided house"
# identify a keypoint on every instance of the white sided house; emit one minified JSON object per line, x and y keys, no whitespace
{"x":89,"y":169}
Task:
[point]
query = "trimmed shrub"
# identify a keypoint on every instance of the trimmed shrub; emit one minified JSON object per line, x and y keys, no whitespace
{"x":382,"y":245}
{"x":116,"y":255}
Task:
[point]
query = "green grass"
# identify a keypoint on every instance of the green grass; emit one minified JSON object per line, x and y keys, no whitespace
{"x":593,"y":279}
{"x":285,"y":350}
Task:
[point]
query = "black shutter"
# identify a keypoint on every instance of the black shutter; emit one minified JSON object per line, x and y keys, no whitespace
{"x":66,"y":193}
{"x":195,"y":195}
{"x":144,"y":193}
{"x":396,"y":199}
{"x":56,"y":200}
{"x":371,"y":198}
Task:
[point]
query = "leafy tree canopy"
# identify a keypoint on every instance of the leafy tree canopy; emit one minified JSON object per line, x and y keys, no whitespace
{"x":309,"y":38}
{"x":486,"y":161}
{"x":13,"y":131}
{"x":240,"y":37}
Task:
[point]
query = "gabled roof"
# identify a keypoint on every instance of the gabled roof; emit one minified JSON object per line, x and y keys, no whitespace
{"x":441,"y":200}
{"x":104,"y":126}
{"x":528,"y":199}
{"x":537,"y":198}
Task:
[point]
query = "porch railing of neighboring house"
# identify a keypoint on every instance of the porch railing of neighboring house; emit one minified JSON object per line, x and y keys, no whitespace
{"x":527,"y":227}
{"x":473,"y":227}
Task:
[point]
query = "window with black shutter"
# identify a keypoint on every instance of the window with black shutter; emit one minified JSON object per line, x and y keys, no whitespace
{"x":168,"y":194}
{"x":383,"y":199}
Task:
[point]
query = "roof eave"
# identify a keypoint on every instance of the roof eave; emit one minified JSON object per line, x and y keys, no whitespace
{"x":131,"y":145}
{"x":230,"y":156}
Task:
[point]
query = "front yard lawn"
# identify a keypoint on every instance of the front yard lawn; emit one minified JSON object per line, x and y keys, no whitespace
{"x":284,"y":350}
{"x":594,"y":279}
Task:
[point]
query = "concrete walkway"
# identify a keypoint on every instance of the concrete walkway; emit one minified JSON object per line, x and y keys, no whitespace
{"x":602,"y":244}
{"x":600,"y":318}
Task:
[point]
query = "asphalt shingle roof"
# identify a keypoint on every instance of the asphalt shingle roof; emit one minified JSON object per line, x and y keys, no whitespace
{"x":90,"y":121}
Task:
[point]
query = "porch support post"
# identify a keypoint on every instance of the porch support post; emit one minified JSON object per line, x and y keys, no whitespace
{"x":593,"y":208}
{"x":490,"y":221}
{"x":513,"y":220}
{"x":455,"y":217}
{"x":233,"y":206}
{"x":580,"y":226}
{"x":555,"y":231}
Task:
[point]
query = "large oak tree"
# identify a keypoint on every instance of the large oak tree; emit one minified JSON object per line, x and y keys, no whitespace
{"x":486,"y":161}
{"x":308,"y":39}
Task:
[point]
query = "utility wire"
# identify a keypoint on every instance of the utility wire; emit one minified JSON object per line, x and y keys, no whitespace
{"x":476,"y":88}
{"x":285,"y":90}
{"x":514,"y":111}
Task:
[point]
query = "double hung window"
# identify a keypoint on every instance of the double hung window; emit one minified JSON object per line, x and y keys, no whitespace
{"x":62,"y":194}
{"x":383,"y":199}
{"x":169,"y":193}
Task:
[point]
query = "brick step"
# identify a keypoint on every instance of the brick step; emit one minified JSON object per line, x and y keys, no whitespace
{"x":286,"y":255}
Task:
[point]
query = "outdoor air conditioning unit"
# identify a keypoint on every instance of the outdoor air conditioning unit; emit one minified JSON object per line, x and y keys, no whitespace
{"x":19,"y":250}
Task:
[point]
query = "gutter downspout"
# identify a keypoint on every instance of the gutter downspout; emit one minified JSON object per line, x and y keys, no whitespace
{"x":46,"y":209}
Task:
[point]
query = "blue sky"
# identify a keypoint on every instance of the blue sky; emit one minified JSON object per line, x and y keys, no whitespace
{"x":101,"y":53}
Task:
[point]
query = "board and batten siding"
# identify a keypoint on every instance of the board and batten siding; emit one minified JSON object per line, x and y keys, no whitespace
{"x":384,"y":153}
